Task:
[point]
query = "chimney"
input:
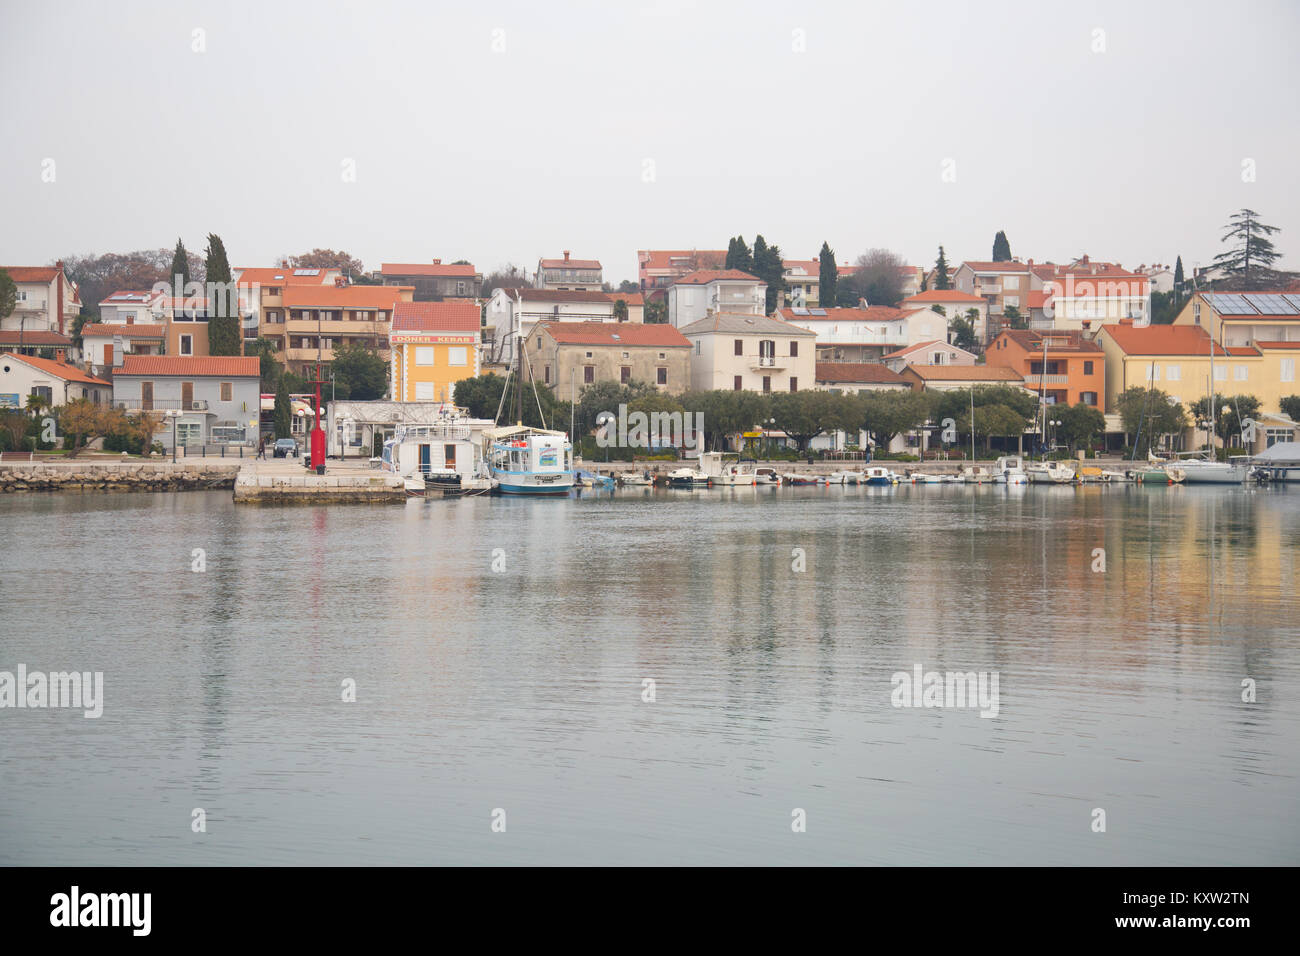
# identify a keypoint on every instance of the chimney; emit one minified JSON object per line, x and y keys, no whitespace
{"x":437,"y":262}
{"x":566,"y":255}
{"x":1128,"y":321}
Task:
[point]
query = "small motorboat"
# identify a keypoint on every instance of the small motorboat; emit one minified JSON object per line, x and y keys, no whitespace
{"x":1010,"y":471}
{"x":590,"y":479}
{"x":1048,"y":473}
{"x":978,"y":475}
{"x":876,"y":475}
{"x":687,"y":478}
{"x":925,"y":478}
{"x":846,"y":478}
{"x":794,"y":478}
{"x":766,"y":476}
{"x":1092,"y":475}
{"x":636,"y":479}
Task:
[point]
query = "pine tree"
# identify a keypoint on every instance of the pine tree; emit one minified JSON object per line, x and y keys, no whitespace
{"x":224,"y":337}
{"x":1249,"y":262}
{"x":941,"y":272}
{"x":828,"y":275}
{"x":180,"y":271}
{"x":1001,"y":247}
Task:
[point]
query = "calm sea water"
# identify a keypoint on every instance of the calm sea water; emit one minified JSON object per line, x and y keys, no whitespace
{"x":521,"y":689}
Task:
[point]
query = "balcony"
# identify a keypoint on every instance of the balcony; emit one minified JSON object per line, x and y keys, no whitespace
{"x":1033,"y":378}
{"x":160,"y":404}
{"x":761,"y":363}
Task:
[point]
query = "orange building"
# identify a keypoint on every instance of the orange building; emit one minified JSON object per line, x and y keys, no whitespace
{"x":1064,"y":366}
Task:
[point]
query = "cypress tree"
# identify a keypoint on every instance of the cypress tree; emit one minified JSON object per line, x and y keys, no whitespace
{"x":744,"y":258}
{"x":1178,"y":274}
{"x":282,"y":410}
{"x":769,"y":267}
{"x":828,"y":275}
{"x":1001,"y":247}
{"x":180,"y":267}
{"x":224,"y":337}
{"x":731,"y":254}
{"x":941,"y":272}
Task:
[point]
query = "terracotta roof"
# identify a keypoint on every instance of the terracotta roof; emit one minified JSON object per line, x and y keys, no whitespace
{"x":733,"y":322}
{"x":31,"y":337}
{"x":919,"y":347}
{"x":558,"y":295}
{"x":446,"y":270}
{"x":811,"y":266}
{"x":225,"y":366}
{"x":451,"y":316}
{"x":570,"y":264}
{"x":945,"y":295}
{"x":1277,"y":345}
{"x":69,"y":373}
{"x":678,"y":258}
{"x":872,"y":313}
{"x":274,"y":276}
{"x":1037,"y":299}
{"x":615,"y":333}
{"x":705,"y":276}
{"x":858,"y":372}
{"x":1163,"y":340}
{"x":127,"y":331}
{"x":344,"y":297}
{"x":31,"y":273}
{"x":997,"y":266}
{"x":1063,"y":341}
{"x":631,"y":298}
{"x":966,"y":373}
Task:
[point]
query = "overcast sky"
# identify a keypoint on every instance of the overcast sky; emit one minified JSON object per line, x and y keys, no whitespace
{"x":502,"y":132}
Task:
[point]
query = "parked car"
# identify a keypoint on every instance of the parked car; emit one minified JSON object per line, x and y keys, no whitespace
{"x":285,"y":448}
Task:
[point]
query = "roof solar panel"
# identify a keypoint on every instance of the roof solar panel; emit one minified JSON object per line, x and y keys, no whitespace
{"x":799,"y":311}
{"x":306,"y":272}
{"x":1293,"y":299}
{"x":1270,"y":304}
{"x":816,"y":311}
{"x":1230,"y":304}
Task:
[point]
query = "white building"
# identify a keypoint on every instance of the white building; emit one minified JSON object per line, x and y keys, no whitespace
{"x":57,"y":382}
{"x":743,"y":351}
{"x":710,"y":291}
{"x":934,"y":352}
{"x":512,"y":313}
{"x":47,"y":299}
{"x":955,"y":304}
{"x":569,"y":274}
{"x":867,"y":333}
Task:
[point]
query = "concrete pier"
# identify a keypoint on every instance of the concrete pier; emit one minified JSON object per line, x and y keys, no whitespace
{"x":286,"y":481}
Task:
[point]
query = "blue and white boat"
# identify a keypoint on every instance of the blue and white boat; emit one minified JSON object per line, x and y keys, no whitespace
{"x":530,"y":461}
{"x":876,"y":475}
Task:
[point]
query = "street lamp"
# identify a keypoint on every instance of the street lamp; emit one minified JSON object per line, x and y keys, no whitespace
{"x":174,"y":414}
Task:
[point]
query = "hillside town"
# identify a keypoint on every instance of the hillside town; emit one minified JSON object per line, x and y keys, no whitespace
{"x":867,"y":358}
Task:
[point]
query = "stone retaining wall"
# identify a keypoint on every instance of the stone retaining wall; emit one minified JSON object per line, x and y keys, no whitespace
{"x":115,"y":476}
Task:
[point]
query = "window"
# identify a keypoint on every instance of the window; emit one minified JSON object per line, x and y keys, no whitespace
{"x":227,"y":391}
{"x":460,"y":288}
{"x":187,"y":345}
{"x":1220,"y":373}
{"x":663,"y":355}
{"x":662,"y":375}
{"x":146,"y":395}
{"x":1196,"y":312}
{"x":766,"y":352}
{"x":1153,"y":372}
{"x":698,"y":344}
{"x":546,"y":374}
{"x":1173,"y":373}
{"x":130,"y":318}
{"x":794,"y":350}
{"x":188,"y":433}
{"x":625,"y":374}
{"x":458,"y":356}
{"x":588,"y":374}
{"x":739,"y":347}
{"x":187,"y":395}
{"x":794,"y":384}
{"x":767,"y":384}
{"x":1240,"y":373}
{"x":424,"y":355}
{"x":1087,"y":368}
{"x":1011,"y":282}
{"x":735,"y":385}
{"x":1012,"y":300}
{"x":1288,"y":370}
{"x":424,"y":391}
{"x":1088,"y":398}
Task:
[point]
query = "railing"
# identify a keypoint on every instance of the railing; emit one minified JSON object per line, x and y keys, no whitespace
{"x":236,"y":450}
{"x":161,"y":404}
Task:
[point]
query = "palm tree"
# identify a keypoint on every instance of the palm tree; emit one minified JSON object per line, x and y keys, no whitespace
{"x":36,"y":404}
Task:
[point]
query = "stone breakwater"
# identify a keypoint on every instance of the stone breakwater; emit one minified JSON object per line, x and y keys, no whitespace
{"x":253,"y":487}
{"x":116,"y":476}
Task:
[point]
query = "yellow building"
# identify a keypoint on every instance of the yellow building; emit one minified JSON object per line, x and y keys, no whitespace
{"x":435,"y":345}
{"x":1176,"y":359}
